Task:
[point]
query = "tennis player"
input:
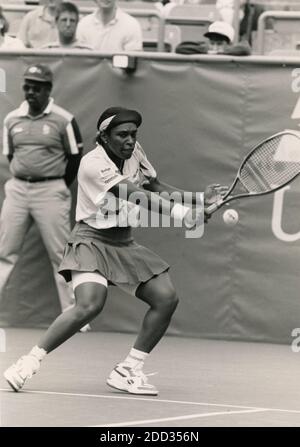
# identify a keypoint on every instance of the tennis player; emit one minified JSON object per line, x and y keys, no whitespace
{"x":102,"y":251}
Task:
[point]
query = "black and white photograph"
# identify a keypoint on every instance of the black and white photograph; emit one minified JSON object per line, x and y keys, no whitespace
{"x":149,"y":217}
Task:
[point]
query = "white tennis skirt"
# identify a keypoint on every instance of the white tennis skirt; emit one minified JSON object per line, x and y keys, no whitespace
{"x":112,"y":252}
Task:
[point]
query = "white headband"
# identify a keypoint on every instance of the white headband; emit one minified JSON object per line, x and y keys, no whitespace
{"x":106,"y":123}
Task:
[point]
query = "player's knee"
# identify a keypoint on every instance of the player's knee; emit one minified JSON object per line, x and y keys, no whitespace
{"x":88,"y":309}
{"x":168,"y":300}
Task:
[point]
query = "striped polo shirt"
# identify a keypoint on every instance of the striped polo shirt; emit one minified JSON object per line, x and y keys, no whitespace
{"x":40,"y":145}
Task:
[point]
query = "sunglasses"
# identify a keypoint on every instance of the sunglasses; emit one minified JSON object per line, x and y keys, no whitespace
{"x":34,"y":88}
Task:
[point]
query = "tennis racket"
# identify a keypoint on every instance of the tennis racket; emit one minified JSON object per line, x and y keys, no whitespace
{"x":271,"y":165}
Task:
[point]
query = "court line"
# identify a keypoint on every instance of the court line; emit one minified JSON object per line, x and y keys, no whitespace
{"x":149,"y":399}
{"x":132,"y":397}
{"x":179,"y":418}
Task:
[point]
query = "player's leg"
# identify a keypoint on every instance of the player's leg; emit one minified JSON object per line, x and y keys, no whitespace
{"x":90,"y":298}
{"x":15,"y":221}
{"x":161,"y":296}
{"x":159,"y":293}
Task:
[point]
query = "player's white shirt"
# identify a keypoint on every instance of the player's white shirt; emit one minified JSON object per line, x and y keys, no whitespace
{"x":97,"y":175}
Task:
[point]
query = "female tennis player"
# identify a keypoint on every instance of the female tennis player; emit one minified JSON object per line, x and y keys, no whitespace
{"x":102,"y":252}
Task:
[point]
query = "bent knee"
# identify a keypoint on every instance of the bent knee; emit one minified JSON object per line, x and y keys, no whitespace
{"x":169,"y":300}
{"x":88,"y":310}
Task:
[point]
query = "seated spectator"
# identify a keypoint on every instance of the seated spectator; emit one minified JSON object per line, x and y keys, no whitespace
{"x":248,"y":15}
{"x":7,"y":42}
{"x":67,"y":17}
{"x":38,"y":26}
{"x":220,"y":41}
{"x":110,"y":29}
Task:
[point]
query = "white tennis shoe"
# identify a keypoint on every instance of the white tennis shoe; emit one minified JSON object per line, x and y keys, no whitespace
{"x":17,"y":374}
{"x":133,"y":380}
{"x":85,"y":328}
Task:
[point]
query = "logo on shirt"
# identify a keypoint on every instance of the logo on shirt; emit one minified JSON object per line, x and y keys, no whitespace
{"x":46,"y":129}
{"x":110,"y":179}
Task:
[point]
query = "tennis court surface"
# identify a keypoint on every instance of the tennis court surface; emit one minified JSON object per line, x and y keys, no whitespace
{"x":202,"y":383}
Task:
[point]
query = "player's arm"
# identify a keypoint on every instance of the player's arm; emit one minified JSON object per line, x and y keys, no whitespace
{"x":128,"y":191}
{"x":211,"y":193}
{"x":7,"y":145}
{"x":154,"y":184}
{"x":74,"y":146}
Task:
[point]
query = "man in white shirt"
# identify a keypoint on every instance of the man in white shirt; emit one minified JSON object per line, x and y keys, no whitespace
{"x":38,"y":26}
{"x":110,"y":29}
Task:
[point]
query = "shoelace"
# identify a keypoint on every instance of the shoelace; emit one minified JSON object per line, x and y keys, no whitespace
{"x":144,"y":377}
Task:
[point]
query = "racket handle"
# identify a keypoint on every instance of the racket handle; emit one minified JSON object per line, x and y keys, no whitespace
{"x":212,"y":208}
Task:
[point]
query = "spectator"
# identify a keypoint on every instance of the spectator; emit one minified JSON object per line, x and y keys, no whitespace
{"x":67,"y":17}
{"x":38,"y":26}
{"x":110,"y":29}
{"x":43,"y":145}
{"x":220,"y":41}
{"x":7,"y":42}
{"x":248,"y":15}
{"x":249,"y":19}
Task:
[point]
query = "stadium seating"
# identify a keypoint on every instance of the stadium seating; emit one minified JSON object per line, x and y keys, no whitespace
{"x":160,"y":33}
{"x":278,"y":30}
{"x":193,"y":20}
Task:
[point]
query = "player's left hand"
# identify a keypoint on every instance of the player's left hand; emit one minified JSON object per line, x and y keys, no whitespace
{"x":213,"y":193}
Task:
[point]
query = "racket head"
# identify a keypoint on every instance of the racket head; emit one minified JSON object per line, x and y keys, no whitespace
{"x":272,"y":164}
{"x":274,"y":159}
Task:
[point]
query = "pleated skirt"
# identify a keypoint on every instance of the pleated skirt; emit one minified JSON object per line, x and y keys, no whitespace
{"x":112,"y":252}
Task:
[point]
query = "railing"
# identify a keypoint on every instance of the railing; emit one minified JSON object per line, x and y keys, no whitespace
{"x":262,"y":21}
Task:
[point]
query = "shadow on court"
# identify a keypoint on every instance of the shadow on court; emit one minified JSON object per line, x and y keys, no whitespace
{"x":201,"y":382}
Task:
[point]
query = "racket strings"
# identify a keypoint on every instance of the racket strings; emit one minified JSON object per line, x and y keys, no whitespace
{"x":273,"y":163}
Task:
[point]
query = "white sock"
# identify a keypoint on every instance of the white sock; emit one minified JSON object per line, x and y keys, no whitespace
{"x":37,"y":352}
{"x":135,"y":357}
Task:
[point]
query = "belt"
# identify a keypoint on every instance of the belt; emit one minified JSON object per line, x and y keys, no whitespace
{"x":37,"y":179}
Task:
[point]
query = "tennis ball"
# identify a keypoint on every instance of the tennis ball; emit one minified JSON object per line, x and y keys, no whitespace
{"x":230,"y":217}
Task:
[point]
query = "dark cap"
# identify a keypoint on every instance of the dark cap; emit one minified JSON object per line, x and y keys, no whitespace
{"x":38,"y":72}
{"x":118,"y":115}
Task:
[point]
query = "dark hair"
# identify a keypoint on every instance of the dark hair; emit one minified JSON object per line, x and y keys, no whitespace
{"x":121,"y":115}
{"x":66,"y":6}
{"x":5,"y":22}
